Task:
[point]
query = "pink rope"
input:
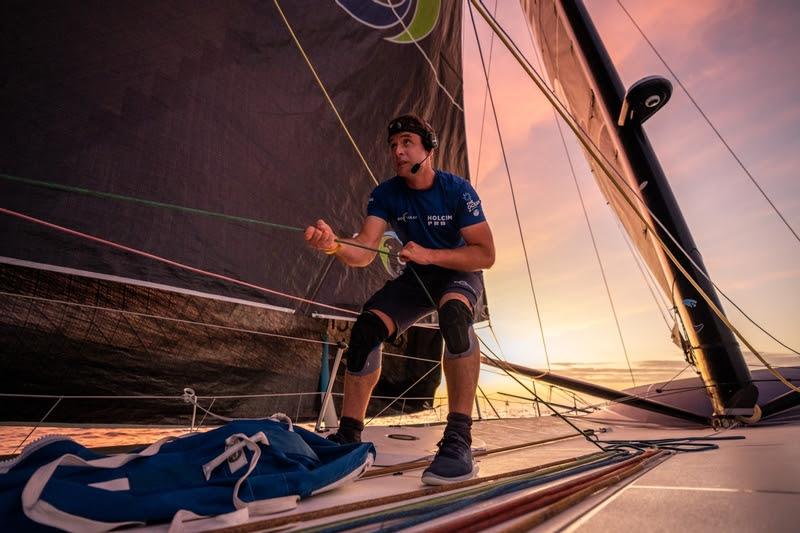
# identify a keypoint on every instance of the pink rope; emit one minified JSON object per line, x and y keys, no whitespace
{"x":167,"y":261}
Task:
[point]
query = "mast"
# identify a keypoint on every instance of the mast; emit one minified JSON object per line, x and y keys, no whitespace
{"x":618,"y":131}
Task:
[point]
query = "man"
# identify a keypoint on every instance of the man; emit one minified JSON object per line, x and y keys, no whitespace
{"x":447,"y":242}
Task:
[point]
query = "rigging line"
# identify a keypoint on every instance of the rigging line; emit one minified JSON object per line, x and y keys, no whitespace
{"x":588,"y":223}
{"x":488,"y":401}
{"x":165,"y":318}
{"x":324,"y":91}
{"x":167,"y":261}
{"x":572,"y":395}
{"x":37,"y":426}
{"x":485,"y":96}
{"x":402,"y":395}
{"x":176,"y":207}
{"x":612,"y":175}
{"x":511,"y":187}
{"x":660,"y":304}
{"x":594,"y":245}
{"x":491,"y":370}
{"x":565,"y":112}
{"x":673,"y":378}
{"x":503,"y":366}
{"x":144,"y":201}
{"x":708,"y":121}
{"x":428,"y":59}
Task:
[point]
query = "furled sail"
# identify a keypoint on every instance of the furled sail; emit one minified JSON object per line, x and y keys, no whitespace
{"x":198,"y":133}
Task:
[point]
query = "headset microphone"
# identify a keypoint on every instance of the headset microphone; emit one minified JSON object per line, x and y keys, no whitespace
{"x":416,"y":166}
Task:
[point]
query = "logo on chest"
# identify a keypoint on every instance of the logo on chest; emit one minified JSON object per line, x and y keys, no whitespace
{"x":405,"y":217}
{"x":439,"y":220}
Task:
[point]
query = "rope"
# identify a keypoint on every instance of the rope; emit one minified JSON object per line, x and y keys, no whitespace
{"x":168,"y":261}
{"x":485,"y":96}
{"x":324,"y":91}
{"x":610,"y":172}
{"x":34,"y":428}
{"x":511,"y":187}
{"x":402,"y":394}
{"x":711,"y":124}
{"x":680,"y":444}
{"x":144,"y":201}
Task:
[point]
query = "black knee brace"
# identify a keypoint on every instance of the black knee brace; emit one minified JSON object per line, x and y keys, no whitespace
{"x":455,"y":322}
{"x":368,"y":333}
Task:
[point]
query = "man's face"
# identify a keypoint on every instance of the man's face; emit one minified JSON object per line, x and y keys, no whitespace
{"x":406,"y":149}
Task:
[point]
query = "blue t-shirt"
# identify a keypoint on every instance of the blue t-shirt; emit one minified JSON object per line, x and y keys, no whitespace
{"x":432,"y":217}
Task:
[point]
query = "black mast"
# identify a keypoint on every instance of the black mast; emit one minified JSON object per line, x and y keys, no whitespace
{"x":712,"y":346}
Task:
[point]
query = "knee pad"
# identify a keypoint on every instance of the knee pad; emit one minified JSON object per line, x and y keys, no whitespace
{"x":364,"y":352}
{"x":455,"y":323}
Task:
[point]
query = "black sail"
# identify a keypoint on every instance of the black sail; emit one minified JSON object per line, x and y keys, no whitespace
{"x":586,"y":81}
{"x":209,"y":106}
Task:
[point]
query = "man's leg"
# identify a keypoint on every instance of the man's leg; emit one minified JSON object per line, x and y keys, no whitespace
{"x":363,"y":371}
{"x":454,"y":462}
{"x":461,"y":369}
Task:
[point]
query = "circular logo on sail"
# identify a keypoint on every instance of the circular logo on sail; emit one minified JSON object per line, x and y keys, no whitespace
{"x":412,"y":25}
{"x":390,"y":243}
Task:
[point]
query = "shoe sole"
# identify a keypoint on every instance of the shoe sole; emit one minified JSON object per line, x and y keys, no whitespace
{"x":429,"y":478}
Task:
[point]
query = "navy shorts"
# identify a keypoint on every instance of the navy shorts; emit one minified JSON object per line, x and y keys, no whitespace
{"x":405,"y":301}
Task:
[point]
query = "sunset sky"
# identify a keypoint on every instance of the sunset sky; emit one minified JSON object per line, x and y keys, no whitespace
{"x":737,"y":58}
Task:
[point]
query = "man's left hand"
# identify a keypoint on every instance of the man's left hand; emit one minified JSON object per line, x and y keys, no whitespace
{"x":415,"y":253}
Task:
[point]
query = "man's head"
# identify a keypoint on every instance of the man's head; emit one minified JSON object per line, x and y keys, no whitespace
{"x":411,"y":140}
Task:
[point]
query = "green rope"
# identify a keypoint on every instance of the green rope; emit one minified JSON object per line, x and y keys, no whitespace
{"x":174,"y":207}
{"x":143,"y":201}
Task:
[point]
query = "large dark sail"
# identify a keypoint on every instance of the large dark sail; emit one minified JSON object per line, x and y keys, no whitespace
{"x":585,"y":80}
{"x":209,"y":106}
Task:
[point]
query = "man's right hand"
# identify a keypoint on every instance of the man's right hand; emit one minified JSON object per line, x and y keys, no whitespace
{"x":320,"y":236}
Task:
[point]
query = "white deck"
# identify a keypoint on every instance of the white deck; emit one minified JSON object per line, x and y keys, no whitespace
{"x":746,"y":485}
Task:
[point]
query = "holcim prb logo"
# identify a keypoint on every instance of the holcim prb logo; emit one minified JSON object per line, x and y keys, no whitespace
{"x":397,"y":15}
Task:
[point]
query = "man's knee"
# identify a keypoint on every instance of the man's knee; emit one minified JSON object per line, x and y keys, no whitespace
{"x":455,"y":323}
{"x":364,"y":351}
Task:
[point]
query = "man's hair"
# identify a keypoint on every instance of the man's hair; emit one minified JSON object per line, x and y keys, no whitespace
{"x":412,"y":123}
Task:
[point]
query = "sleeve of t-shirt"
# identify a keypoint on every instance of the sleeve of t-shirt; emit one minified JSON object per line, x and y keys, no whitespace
{"x":377,"y":205}
{"x":469,"y":210}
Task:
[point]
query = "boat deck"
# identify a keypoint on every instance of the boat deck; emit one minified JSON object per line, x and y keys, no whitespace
{"x":745,"y":485}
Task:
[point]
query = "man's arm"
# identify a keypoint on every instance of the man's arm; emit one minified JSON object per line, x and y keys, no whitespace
{"x":476,"y":255}
{"x":321,"y":237}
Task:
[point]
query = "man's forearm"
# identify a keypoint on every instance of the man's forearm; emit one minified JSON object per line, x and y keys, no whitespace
{"x":466,"y":258}
{"x":354,"y":256}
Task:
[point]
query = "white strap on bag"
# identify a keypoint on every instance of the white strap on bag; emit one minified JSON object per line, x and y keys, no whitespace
{"x":42,"y":512}
{"x":236,"y":444}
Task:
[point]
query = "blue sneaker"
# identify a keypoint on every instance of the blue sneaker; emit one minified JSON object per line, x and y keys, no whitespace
{"x":453,"y":461}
